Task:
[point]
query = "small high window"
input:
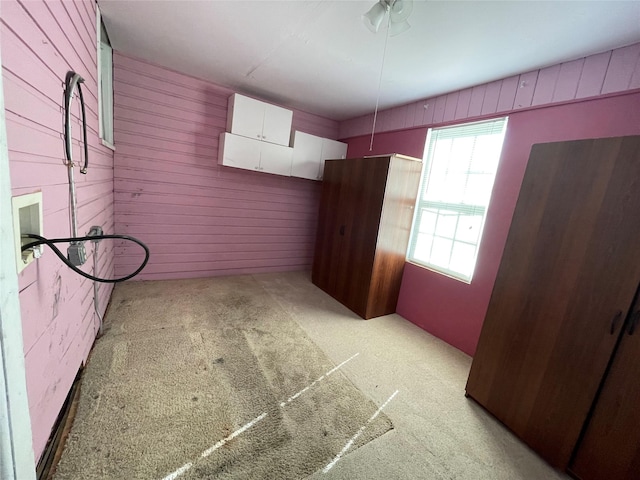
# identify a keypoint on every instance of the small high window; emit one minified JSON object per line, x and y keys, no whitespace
{"x":105,"y":84}
{"x":458,"y":173}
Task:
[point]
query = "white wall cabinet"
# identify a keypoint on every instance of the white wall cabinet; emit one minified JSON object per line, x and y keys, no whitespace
{"x":249,"y":154}
{"x":310,"y":152}
{"x":258,"y":120}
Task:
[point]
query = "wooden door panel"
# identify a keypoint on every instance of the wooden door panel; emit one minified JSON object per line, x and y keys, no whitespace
{"x":345,"y":212}
{"x":610,"y":447}
{"x":564,"y":274}
{"x":365,"y":207}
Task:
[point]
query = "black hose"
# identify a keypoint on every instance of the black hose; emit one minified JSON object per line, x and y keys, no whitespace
{"x":50,"y":243}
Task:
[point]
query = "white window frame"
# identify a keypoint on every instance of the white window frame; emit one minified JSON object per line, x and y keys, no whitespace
{"x":459,"y":210}
{"x":105,"y":85}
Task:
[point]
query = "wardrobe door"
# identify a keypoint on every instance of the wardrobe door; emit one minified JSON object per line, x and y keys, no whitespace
{"x":611,"y":444}
{"x":364,"y":208}
{"x":566,"y":280}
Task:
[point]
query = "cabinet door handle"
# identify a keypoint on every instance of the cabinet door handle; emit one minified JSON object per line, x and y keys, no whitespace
{"x":614,"y":322}
{"x":634,"y":322}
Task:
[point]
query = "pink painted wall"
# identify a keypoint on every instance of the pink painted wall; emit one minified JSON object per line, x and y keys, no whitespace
{"x":571,"y":100}
{"x":453,"y":310}
{"x":40,"y":42}
{"x":199,"y":218}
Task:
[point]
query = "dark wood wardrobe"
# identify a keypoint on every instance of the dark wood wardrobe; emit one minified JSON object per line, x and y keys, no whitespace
{"x":558,"y":361}
{"x":365,"y":218}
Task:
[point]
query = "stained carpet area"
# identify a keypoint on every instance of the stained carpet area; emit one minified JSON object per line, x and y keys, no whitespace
{"x":185,"y":365}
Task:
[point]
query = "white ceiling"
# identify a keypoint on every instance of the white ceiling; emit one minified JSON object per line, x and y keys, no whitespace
{"x":317,"y":56}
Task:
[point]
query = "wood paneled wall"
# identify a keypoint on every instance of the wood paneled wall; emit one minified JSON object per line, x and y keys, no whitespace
{"x":199,"y":218}
{"x":40,"y":42}
{"x":601,"y":74}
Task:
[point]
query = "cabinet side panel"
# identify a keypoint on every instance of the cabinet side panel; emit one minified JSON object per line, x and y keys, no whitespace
{"x":326,"y":254}
{"x":393,"y":236}
{"x":307,"y":150}
{"x":564,"y":275}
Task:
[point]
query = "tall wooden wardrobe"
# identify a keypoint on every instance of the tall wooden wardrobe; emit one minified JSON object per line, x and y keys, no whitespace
{"x":558,"y":361}
{"x":365,"y":218}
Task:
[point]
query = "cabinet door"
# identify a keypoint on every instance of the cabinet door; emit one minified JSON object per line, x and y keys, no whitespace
{"x":239,"y":152}
{"x":247,"y":116}
{"x":361,"y":207}
{"x":275,"y":159}
{"x":276,"y":127}
{"x":306,"y":155}
{"x":610,"y":447}
{"x":331,"y":149}
{"x":568,"y":271}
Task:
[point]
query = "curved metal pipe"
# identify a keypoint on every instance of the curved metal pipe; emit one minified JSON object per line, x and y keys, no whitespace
{"x":74,"y":80}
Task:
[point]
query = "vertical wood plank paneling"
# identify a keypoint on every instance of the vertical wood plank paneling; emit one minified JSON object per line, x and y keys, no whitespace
{"x":546,"y":85}
{"x":477,"y":98}
{"x":411,"y":115}
{"x":464,"y":100}
{"x":526,"y":88}
{"x":364,"y":124}
{"x":382,"y":120}
{"x":568,"y":79}
{"x":438,"y":111}
{"x":367,"y":124}
{"x":451,"y":103}
{"x":357,"y":127}
{"x":418,"y":113}
{"x":491,"y":96}
{"x":41,"y":41}
{"x":593,"y":73}
{"x":428,"y":109}
{"x":398,"y":118}
{"x":507,"y":96}
{"x":199,"y":218}
{"x":621,"y":68}
{"x":576,"y":79}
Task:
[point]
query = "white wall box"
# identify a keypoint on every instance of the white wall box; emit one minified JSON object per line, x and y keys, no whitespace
{"x":259,"y":120}
{"x":27,"y":218}
{"x":249,"y":154}
{"x":310,"y":152}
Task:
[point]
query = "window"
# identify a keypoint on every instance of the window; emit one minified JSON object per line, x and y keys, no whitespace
{"x":458,"y":173}
{"x":105,"y":84}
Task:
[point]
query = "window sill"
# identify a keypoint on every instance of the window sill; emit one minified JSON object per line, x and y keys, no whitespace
{"x":110,"y":146}
{"x":439,"y":272}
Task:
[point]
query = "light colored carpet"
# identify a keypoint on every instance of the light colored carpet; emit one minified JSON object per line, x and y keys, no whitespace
{"x":438,"y":433}
{"x":185,"y":364}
